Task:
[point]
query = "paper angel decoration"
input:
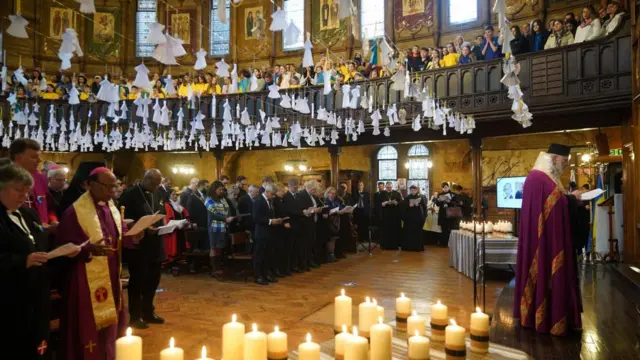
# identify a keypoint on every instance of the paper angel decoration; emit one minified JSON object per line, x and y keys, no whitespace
{"x":416,"y":125}
{"x":285,"y":102}
{"x":87,"y":6}
{"x":156,"y":36}
{"x":164,"y":53}
{"x":176,"y":46}
{"x":307,"y":59}
{"x":17,"y":27}
{"x":74,"y":95}
{"x":19,"y":75}
{"x":253,"y":82}
{"x":398,"y":79}
{"x":222,"y":69}
{"x":290,"y":35}
{"x":201,"y":61}
{"x":346,"y":92}
{"x":103,"y":92}
{"x":303,"y":106}
{"x":70,"y":43}
{"x":234,"y":79}
{"x":142,"y":77}
{"x":222,"y":11}
{"x":274,"y":91}
{"x":392,"y":113}
{"x":168,"y":87}
{"x":355,"y":94}
{"x":157,"y":114}
{"x":66,"y":60}
{"x":244,"y":117}
{"x":278,"y":20}
{"x":327,"y":82}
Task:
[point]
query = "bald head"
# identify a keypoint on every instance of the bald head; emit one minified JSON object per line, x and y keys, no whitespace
{"x":152,"y":179}
{"x":102,"y":185}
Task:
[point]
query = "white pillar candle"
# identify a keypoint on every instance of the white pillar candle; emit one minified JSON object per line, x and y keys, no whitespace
{"x":129,"y":347}
{"x":454,"y":343}
{"x":381,"y":335}
{"x":439,"y":313}
{"x":277,"y":345}
{"x":203,"y":354}
{"x":172,"y":352}
{"x":403,"y":311}
{"x":479,"y":332}
{"x":232,"y":340}
{"x":342,"y":311}
{"x":418,"y":347}
{"x":379,"y":309}
{"x":340,"y":342}
{"x":255,"y":344}
{"x":367,"y":314}
{"x":356,"y":347}
{"x":416,"y":323}
{"x":308,"y":350}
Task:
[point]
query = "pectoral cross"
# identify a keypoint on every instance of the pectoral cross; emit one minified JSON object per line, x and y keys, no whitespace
{"x":90,"y":346}
{"x":42,"y":348}
{"x":28,"y":201}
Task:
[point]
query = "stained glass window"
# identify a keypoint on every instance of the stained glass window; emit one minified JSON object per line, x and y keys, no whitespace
{"x":462,"y":11}
{"x":388,"y":164}
{"x":295,"y":14}
{"x":419,"y":168}
{"x":219,"y":36}
{"x":145,"y":16}
{"x":372,"y":18}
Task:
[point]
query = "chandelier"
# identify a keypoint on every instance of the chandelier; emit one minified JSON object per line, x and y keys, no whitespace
{"x":296,"y":166}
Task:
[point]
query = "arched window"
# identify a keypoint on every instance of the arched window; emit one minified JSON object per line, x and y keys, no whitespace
{"x":418,"y":166}
{"x":372,"y":18}
{"x":295,"y":14}
{"x":219,"y":37}
{"x":145,"y":15}
{"x":388,"y":164}
{"x":462,"y":11}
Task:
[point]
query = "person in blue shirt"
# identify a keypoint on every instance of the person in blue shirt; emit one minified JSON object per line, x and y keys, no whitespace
{"x":540,"y":35}
{"x":465,"y":57}
{"x":491,"y":49}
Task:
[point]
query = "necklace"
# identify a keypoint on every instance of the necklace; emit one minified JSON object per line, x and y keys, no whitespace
{"x":151,"y":206}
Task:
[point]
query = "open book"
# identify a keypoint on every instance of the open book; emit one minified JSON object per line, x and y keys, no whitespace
{"x":172,"y":226}
{"x":414,"y":202}
{"x":590,"y":195}
{"x":64,"y":250}
{"x":144,"y":223}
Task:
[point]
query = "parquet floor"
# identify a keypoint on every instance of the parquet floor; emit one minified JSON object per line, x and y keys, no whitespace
{"x":196,"y":306}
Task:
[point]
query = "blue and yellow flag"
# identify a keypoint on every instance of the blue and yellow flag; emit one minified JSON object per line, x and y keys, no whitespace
{"x":375,"y":56}
{"x":594,"y":203}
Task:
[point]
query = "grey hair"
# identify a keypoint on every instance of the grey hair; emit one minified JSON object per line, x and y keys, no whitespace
{"x":54,"y":172}
{"x":310,"y":184}
{"x":269,"y":188}
{"x":12,"y":174}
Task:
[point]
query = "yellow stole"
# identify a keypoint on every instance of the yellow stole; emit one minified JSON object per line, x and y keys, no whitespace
{"x":98,"y":278}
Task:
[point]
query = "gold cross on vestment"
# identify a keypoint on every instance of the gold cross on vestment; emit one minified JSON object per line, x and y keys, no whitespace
{"x":90,"y":346}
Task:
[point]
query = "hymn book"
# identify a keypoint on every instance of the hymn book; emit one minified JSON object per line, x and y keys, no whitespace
{"x":144,"y":223}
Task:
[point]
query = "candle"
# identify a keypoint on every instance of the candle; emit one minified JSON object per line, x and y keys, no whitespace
{"x":381,"y":335}
{"x":479,"y":332}
{"x":277,"y":345}
{"x":342,"y":311}
{"x":203,"y":354}
{"x":232,"y":340}
{"x":439,"y":321}
{"x":356,"y":347}
{"x":454,"y":343}
{"x":418,"y":347}
{"x":403,"y":310}
{"x":172,"y":352}
{"x":367,"y":314}
{"x":255,"y":344}
{"x":129,"y":347}
{"x":340,"y":342}
{"x":416,"y":323}
{"x":379,"y":309}
{"x":308,"y":350}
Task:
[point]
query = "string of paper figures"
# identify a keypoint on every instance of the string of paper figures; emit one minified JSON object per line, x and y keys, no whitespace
{"x":172,"y":133}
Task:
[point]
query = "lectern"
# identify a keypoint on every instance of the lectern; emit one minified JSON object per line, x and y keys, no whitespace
{"x":614,"y":253}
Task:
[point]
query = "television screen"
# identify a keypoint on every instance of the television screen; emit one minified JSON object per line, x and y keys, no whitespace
{"x":509,"y":192}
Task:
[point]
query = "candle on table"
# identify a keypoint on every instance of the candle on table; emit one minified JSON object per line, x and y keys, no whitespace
{"x":381,"y":335}
{"x":416,"y":323}
{"x":367,"y":314}
{"x":479,"y":332}
{"x":308,"y":350}
{"x":342,"y":311}
{"x":403,"y":311}
{"x":203,"y":354}
{"x":129,"y":347}
{"x":379,"y":309}
{"x":340,"y":342}
{"x":232,"y":340}
{"x":277,"y":345}
{"x":454,"y":343}
{"x":439,"y":314}
{"x":172,"y":352}
{"x":356,"y":347}
{"x":418,"y":347}
{"x":255,"y":344}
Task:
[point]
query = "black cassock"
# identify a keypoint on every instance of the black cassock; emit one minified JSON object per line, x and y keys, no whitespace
{"x":391,"y":220}
{"x":413,"y":217}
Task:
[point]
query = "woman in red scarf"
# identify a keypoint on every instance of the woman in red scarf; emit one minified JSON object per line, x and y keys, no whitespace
{"x":173,"y":211}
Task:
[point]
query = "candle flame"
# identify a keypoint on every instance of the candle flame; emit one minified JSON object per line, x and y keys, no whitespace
{"x":367,"y":299}
{"x":478,"y":310}
{"x":308,"y":337}
{"x":172,"y":343}
{"x":355,"y":331}
{"x":254,"y":327}
{"x":402,"y":295}
{"x":276,"y":329}
{"x":129,"y":331}
{"x":344,"y":328}
{"x":439,"y":303}
{"x":375,"y":302}
{"x":380,"y":320}
{"x":204,"y":353}
{"x":234,"y":317}
{"x":453,"y":322}
{"x":414,"y":313}
{"x":342,"y":292}
{"x":417,"y":332}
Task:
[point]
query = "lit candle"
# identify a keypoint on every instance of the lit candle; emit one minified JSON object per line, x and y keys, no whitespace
{"x":232,"y":340}
{"x":277,"y":348}
{"x":403,"y":311}
{"x":356,"y":347}
{"x":479,"y":332}
{"x":454,"y":343}
{"x":203,"y":354}
{"x":379,"y":309}
{"x":340,"y":341}
{"x":439,"y":314}
{"x":416,"y":323}
{"x":129,"y":347}
{"x":342,"y":311}
{"x":381,"y":335}
{"x":418,"y":347}
{"x":255,"y":344}
{"x":172,"y":352}
{"x":308,"y":350}
{"x":367,"y":314}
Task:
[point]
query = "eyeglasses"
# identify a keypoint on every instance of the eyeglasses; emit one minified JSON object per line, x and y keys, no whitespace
{"x":108,"y":186}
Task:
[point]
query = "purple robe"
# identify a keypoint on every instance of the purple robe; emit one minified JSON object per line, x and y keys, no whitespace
{"x":547,"y":296}
{"x":80,"y":340}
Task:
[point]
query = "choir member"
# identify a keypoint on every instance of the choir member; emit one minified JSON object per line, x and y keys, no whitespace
{"x":391,"y":219}
{"x":26,"y":154}
{"x":294,"y":241}
{"x":278,"y":254}
{"x":164,"y":188}
{"x":245,"y":205}
{"x":232,"y":200}
{"x":265,"y":224}
{"x":333,"y":220}
{"x":320,"y":253}
{"x":145,"y":257}
{"x":267,"y":180}
{"x":57,"y":179}
{"x":345,"y":221}
{"x":377,"y":202}
{"x":465,"y":202}
{"x":308,"y":204}
{"x":415,"y":210}
{"x":198,"y":213}
{"x":241,"y":182}
{"x":173,"y":211}
{"x":193,"y":186}
{"x":444,"y":200}
{"x":218,"y":217}
{"x":362,"y":212}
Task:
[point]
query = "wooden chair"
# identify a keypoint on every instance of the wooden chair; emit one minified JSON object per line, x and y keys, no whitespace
{"x":238,"y":256}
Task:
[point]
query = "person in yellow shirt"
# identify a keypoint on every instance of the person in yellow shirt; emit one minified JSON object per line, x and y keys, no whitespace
{"x":183,"y":89}
{"x":134,"y":93}
{"x":157,"y":93}
{"x":435,"y":60}
{"x":213,"y":87}
{"x":351,"y":72}
{"x":200,"y":85}
{"x":82,"y":87}
{"x":50,"y":93}
{"x":452,"y":57}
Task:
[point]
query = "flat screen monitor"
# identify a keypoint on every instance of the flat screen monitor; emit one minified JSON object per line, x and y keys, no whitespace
{"x":509,"y":192}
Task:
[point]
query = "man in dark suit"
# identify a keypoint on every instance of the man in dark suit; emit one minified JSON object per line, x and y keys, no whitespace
{"x":198,"y":215}
{"x":186,"y":194}
{"x":265,"y":221}
{"x":308,"y":204}
{"x":362,"y":211}
{"x":165,"y":188}
{"x":292,"y":242}
{"x":377,"y":202}
{"x":241,"y":182}
{"x":245,"y":206}
{"x":145,"y":261}
{"x":267,"y":180}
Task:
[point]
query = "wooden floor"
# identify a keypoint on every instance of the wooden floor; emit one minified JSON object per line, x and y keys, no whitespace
{"x":196,"y":306}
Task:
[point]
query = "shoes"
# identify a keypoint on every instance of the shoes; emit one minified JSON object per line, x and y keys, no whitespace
{"x":261,"y":281}
{"x":154,"y":319}
{"x":271,"y":279}
{"x":297,"y":270}
{"x":314,"y":265}
{"x":138,"y":324}
{"x":331,"y":258}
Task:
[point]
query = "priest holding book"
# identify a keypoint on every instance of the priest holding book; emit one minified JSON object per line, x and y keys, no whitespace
{"x":391,"y":218}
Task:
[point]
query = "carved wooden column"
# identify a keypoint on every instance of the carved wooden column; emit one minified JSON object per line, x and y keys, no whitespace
{"x":334,"y":151}
{"x":219,"y":155}
{"x":476,"y":170}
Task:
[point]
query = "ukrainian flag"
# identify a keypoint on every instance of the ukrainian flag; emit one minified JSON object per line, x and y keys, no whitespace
{"x":375,"y":53}
{"x":594,"y":203}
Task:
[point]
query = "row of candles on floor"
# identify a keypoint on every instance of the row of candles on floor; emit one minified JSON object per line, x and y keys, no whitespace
{"x":489,"y":227}
{"x":371,"y":339}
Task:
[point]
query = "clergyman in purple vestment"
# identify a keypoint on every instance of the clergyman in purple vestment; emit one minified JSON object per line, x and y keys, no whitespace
{"x":87,"y":333}
{"x":547,"y":297}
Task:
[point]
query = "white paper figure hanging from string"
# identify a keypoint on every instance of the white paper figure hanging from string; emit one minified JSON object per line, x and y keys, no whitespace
{"x":168,"y":87}
{"x":142,"y":77}
{"x":19,"y":75}
{"x":17,"y":27}
{"x":234,"y":79}
{"x":327,"y":82}
{"x":274,"y":91}
{"x":222,"y":11}
{"x":307,"y":59}
{"x":253,"y":82}
{"x":291,"y":34}
{"x":278,"y":20}
{"x":201,"y":61}
{"x":74,"y":95}
{"x":87,"y":6}
{"x":70,"y":43}
{"x":345,"y":9}
{"x":164,"y":53}
{"x":222,"y":69}
{"x":156,"y":36}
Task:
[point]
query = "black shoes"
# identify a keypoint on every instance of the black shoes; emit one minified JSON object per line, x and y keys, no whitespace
{"x":138,"y":324}
{"x":154,"y":319}
{"x":262,"y":281}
